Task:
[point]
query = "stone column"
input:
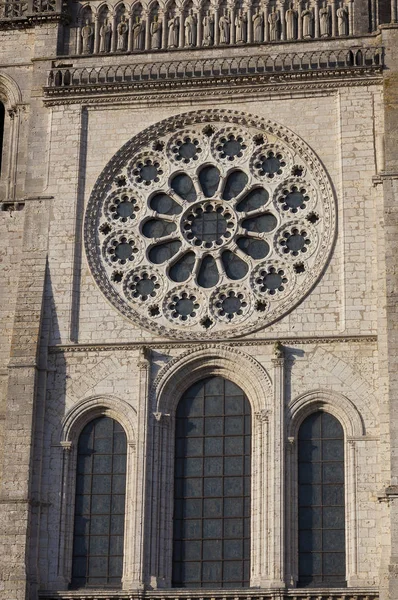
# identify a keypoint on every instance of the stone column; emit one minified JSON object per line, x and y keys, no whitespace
{"x":114,"y":33}
{"x":216,"y":28}
{"x":316,"y":20}
{"x":199,"y":32}
{"x":232,"y":34}
{"x":79,"y":39}
{"x":164,"y":30}
{"x":266,"y":27}
{"x":135,"y":570}
{"x":277,"y":460}
{"x":351,"y":17}
{"x":130,"y":32}
{"x":147,"y":19}
{"x":299,"y":23}
{"x":283,"y":21}
{"x":180,"y":16}
{"x":17,"y":501}
{"x":96,"y":35}
{"x":334,"y":18}
{"x":249,"y":12}
{"x":393,"y":11}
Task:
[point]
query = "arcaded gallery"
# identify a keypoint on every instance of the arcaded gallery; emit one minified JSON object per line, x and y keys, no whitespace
{"x":198,"y":300}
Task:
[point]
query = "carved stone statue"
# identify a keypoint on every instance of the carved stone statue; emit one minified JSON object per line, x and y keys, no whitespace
{"x":190,"y":29}
{"x":105,"y":36}
{"x":173,"y":25}
{"x":342,"y":20}
{"x":224,"y":25}
{"x":240,"y":28}
{"x":156,"y":33}
{"x":324,"y":20}
{"x":87,"y":37}
{"x":122,"y":31}
{"x":291,"y":23}
{"x":307,"y":17}
{"x":258,"y":26}
{"x":138,"y":34}
{"x":208,"y":21}
{"x":273,"y":20}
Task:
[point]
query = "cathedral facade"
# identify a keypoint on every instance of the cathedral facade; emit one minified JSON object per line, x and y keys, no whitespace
{"x":199,"y":282}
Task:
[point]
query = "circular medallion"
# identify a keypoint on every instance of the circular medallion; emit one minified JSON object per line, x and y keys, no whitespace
{"x":210,"y":223}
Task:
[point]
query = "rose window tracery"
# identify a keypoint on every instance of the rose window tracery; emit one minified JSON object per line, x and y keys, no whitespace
{"x":210,"y":221}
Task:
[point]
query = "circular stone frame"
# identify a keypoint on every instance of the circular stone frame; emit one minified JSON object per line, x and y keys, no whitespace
{"x":212,"y":139}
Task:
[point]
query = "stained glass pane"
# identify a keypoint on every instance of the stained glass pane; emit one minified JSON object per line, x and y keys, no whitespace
{"x":165,"y":205}
{"x":234,"y":185}
{"x":209,"y":178}
{"x":182,"y":269}
{"x":253,"y":200}
{"x":99,"y":505}
{"x":235,"y":267}
{"x":183,"y":185}
{"x":162,"y":252}
{"x":155,"y":228}
{"x":208,"y":272}
{"x":212,"y":488}
{"x":321,"y":502}
{"x":260,"y":224}
{"x":255,"y":248}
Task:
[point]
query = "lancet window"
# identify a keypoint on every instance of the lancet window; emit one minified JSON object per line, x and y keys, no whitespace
{"x":212,"y":487}
{"x":99,"y":505}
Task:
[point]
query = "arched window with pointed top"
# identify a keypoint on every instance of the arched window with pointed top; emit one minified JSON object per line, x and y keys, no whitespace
{"x":321,"y":502}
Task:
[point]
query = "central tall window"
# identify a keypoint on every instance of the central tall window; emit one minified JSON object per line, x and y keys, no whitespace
{"x":212,"y":487}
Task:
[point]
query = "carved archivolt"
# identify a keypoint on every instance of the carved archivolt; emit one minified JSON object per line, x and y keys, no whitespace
{"x":208,"y":223}
{"x":209,"y":360}
{"x":148,"y":26}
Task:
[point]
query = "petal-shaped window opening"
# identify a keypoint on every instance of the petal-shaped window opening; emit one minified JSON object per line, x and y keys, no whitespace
{"x":162,"y":252}
{"x":183,"y":185}
{"x":155,"y":228}
{"x":165,"y":205}
{"x":182,"y":269}
{"x":256,"y":249}
{"x":209,"y":178}
{"x":208,"y":273}
{"x":253,"y":200}
{"x":261,"y":224}
{"x":235,"y":184}
{"x":235,"y":267}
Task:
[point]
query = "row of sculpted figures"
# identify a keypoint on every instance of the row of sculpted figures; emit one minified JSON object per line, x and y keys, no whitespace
{"x":137,"y":28}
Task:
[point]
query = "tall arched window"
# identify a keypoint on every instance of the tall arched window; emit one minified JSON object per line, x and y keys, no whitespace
{"x":321,"y":510}
{"x":2,"y":118}
{"x":100,"y":505}
{"x":212,"y":487}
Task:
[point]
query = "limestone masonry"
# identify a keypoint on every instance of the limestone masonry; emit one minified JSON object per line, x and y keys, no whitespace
{"x":199,"y":299}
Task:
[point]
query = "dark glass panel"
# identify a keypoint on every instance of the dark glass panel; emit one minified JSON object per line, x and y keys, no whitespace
{"x":321,"y":502}
{"x":255,"y":248}
{"x":261,"y":224}
{"x":218,"y":523}
{"x":163,"y":204}
{"x":155,"y":228}
{"x":235,"y":184}
{"x":209,"y":178}
{"x":182,"y":269}
{"x":235,"y":267}
{"x":162,"y":252}
{"x":183,"y":185}
{"x":253,"y":200}
{"x":98,"y":535}
{"x":208,"y":272}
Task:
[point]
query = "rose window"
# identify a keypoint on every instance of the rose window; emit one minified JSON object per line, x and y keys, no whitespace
{"x":210,"y":222}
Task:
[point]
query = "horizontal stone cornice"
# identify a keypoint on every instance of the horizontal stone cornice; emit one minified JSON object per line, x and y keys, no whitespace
{"x":323,"y":69}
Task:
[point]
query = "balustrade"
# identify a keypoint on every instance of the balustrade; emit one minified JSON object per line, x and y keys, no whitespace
{"x":298,"y":62}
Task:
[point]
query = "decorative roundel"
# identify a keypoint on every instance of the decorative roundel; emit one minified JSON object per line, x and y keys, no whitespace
{"x":210,"y":223}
